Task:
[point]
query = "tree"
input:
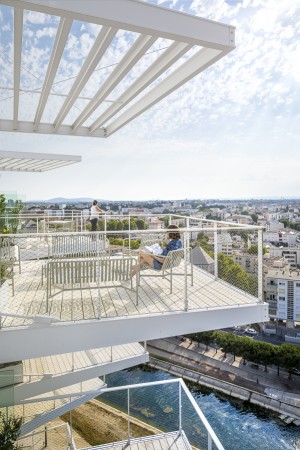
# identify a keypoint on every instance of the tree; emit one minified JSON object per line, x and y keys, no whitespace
{"x":9,"y":432}
{"x":288,"y":356}
{"x":14,"y":222}
{"x":254,"y":217}
{"x":141,"y":224}
{"x":265,"y":354}
{"x":203,"y":242}
{"x":206,"y":338}
{"x":133,"y":225}
{"x":120,"y":225}
{"x":111,"y":225}
{"x":253,"y":250}
{"x":2,"y":213}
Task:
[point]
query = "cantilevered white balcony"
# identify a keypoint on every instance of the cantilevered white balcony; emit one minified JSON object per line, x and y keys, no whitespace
{"x":42,"y":375}
{"x":64,"y":314}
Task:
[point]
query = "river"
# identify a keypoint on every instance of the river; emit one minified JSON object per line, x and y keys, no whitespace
{"x":239,"y":425}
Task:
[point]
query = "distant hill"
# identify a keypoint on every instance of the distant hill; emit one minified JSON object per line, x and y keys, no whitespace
{"x":67,"y":200}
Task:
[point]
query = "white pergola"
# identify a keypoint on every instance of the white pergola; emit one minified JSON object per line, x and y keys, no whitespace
{"x":34,"y":162}
{"x":193,"y":45}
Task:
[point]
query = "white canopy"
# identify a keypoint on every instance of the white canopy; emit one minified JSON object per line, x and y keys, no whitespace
{"x":34,"y":162}
{"x":190,"y":45}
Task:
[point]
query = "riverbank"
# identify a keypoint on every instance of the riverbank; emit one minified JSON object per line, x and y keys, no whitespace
{"x":190,"y":361}
{"x":98,"y":423}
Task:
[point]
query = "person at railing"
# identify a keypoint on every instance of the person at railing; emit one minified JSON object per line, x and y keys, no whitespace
{"x":94,"y":216}
{"x":156,"y":261}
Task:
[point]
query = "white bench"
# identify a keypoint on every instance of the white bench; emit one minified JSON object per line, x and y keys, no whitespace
{"x":75,"y":246}
{"x":88,"y":273}
{"x":78,"y":246}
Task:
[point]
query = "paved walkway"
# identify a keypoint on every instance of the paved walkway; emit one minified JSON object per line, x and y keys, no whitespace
{"x":213,"y":363}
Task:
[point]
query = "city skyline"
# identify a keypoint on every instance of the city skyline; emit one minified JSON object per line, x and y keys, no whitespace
{"x":232,"y":132}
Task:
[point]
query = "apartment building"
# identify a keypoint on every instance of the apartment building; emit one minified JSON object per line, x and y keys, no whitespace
{"x":248,"y":262}
{"x":288,"y":238}
{"x":290,"y":254}
{"x":283,"y":294}
{"x":225,"y":244}
{"x":274,"y":226}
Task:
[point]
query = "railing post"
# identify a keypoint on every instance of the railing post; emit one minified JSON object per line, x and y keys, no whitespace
{"x":180,"y":407}
{"x":216,"y":249}
{"x":145,"y":346}
{"x":170,"y":220}
{"x":188,"y":233}
{"x":129,"y":235}
{"x":186,"y":306}
{"x":71,"y":427}
{"x":209,"y":442}
{"x":260,"y":265}
{"x":128,"y":411}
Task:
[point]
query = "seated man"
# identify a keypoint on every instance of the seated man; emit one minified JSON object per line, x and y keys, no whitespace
{"x":154,"y":261}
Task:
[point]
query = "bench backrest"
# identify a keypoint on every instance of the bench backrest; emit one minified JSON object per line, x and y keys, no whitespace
{"x":77,"y":246}
{"x":80,"y":271}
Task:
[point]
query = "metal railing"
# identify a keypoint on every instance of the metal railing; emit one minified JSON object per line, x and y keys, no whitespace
{"x":59,"y":436}
{"x":171,"y":405}
{"x":212,"y":244}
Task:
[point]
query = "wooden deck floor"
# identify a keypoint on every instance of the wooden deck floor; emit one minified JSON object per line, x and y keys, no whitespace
{"x":168,"y":441}
{"x":153,"y":293}
{"x":65,"y":363}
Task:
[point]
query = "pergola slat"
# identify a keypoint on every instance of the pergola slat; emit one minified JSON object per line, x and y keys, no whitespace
{"x":166,"y":60}
{"x":196,"y":64}
{"x":101,"y":44}
{"x":141,"y":45}
{"x":58,"y":48}
{"x":18,"y":28}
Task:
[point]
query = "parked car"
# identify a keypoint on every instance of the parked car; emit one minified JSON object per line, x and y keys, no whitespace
{"x":295,"y":371}
{"x":251,"y":331}
{"x":238,"y":328}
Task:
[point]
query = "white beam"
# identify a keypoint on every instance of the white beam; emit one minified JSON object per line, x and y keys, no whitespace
{"x":58,"y":48}
{"x":196,"y":64}
{"x":98,"y":49}
{"x":135,"y":53}
{"x":46,"y":128}
{"x":32,"y":342}
{"x":140,"y":17}
{"x":18,"y":31}
{"x":166,"y":60}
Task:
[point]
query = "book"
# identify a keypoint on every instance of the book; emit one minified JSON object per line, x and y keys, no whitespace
{"x":155,"y":249}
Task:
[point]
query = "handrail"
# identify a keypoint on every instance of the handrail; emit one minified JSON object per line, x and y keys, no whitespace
{"x":136,"y":232}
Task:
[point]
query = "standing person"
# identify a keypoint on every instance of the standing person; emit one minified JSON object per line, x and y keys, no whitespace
{"x":156,"y":261}
{"x":95,"y":210}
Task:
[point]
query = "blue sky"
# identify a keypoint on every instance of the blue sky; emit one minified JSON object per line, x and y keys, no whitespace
{"x":231,"y":132}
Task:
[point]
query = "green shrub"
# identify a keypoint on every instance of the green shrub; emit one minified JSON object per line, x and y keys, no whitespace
{"x":9,"y":432}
